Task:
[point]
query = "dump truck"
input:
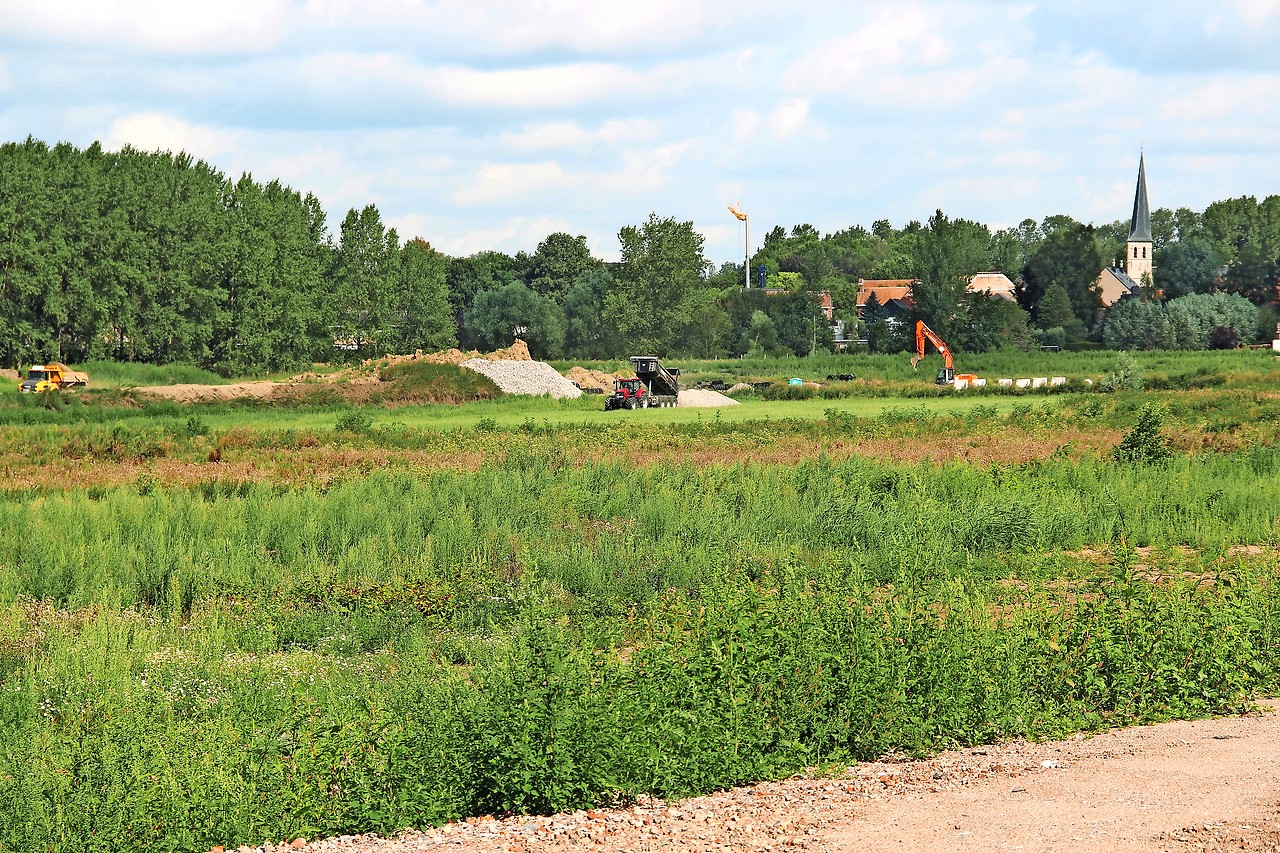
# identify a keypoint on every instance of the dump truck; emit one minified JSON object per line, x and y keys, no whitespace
{"x":53,"y":376}
{"x":653,"y":385}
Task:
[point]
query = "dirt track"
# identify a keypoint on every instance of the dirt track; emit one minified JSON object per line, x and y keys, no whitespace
{"x":1208,"y":785}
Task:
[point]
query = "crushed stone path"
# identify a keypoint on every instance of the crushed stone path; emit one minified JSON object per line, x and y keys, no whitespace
{"x":1182,"y":787}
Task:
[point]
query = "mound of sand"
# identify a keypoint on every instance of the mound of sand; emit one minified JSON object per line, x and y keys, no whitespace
{"x":205,"y":393}
{"x":10,"y":375}
{"x":701,"y":398}
{"x":518,"y":351}
{"x":592,"y":378}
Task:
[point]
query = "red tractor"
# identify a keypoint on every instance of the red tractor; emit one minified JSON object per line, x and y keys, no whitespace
{"x":652,"y":386}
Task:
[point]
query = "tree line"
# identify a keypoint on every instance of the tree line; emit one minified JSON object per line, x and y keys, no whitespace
{"x":158,"y":257}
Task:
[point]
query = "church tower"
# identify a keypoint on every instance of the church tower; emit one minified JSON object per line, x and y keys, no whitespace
{"x":1137,"y":258}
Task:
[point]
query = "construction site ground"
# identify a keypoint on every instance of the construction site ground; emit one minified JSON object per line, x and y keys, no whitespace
{"x":1204,"y":785}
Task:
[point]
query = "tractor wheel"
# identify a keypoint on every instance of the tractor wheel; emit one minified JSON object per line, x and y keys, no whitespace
{"x":631,"y":403}
{"x":644,"y":404}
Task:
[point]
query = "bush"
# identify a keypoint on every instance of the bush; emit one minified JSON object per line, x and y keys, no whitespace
{"x":355,"y":421}
{"x":1124,"y":376}
{"x":1145,"y":443}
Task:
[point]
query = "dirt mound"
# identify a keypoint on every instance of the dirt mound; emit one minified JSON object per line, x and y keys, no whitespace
{"x":205,"y":393}
{"x":536,"y":378}
{"x":586,"y":378}
{"x":701,"y":398}
{"x":518,"y":351}
{"x":10,"y":375}
{"x":359,"y":384}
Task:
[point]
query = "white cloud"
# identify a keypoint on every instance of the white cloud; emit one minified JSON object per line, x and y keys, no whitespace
{"x":1225,"y":97}
{"x":161,"y":132}
{"x":642,"y":170}
{"x":789,"y":118}
{"x":163,"y":26}
{"x":745,"y":123}
{"x":496,"y":181}
{"x":1255,"y":14}
{"x":6,"y":82}
{"x":568,"y":134}
{"x":512,"y":234}
{"x":526,"y":89}
{"x":901,"y":37}
{"x":469,"y":27}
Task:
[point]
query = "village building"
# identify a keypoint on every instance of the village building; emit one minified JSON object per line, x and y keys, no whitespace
{"x":1116,"y":282}
{"x":895,"y":294}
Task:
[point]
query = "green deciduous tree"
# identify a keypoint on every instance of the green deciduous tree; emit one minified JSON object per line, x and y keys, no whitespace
{"x":760,"y":338}
{"x":708,"y":332}
{"x":1069,"y":257}
{"x":424,"y":316}
{"x":948,"y":252}
{"x":557,"y":264}
{"x":1134,"y":324}
{"x":589,"y":332}
{"x":661,"y":265}
{"x":1196,"y":315}
{"x":497,"y":317}
{"x":993,"y":323}
{"x":1254,"y":275}
{"x":366,"y":278}
{"x":1188,"y":266}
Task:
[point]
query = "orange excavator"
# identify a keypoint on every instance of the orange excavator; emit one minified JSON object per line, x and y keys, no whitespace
{"x":947,"y":373}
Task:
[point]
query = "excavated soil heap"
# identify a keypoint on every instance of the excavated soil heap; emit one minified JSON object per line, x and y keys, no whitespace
{"x":587,"y":378}
{"x":355,"y":384}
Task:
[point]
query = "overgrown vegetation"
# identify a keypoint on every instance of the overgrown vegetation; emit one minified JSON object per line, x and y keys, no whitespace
{"x":584,"y":612}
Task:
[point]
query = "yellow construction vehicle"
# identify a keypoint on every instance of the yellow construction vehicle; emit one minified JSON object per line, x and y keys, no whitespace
{"x":53,"y":376}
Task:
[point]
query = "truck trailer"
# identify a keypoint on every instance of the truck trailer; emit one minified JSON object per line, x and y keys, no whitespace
{"x":652,"y":386}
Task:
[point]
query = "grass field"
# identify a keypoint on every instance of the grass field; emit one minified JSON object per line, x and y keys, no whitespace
{"x":225,"y":624}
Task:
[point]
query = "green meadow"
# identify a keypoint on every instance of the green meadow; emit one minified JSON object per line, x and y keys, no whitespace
{"x":227,"y":624}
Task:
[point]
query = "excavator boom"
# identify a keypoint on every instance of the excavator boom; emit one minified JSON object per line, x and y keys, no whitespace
{"x":923,"y":334}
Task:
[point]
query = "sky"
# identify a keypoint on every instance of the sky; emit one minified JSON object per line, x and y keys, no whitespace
{"x":489,"y":125}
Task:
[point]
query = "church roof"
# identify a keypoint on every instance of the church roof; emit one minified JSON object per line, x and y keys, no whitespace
{"x":1114,"y":284}
{"x":1140,"y":225}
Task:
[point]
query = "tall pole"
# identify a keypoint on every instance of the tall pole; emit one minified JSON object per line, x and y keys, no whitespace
{"x":746,"y":248}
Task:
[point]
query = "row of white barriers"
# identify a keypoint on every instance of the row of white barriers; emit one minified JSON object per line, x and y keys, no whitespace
{"x":1034,"y":382}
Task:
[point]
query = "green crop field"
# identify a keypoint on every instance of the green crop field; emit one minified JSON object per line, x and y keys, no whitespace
{"x":228,"y":623}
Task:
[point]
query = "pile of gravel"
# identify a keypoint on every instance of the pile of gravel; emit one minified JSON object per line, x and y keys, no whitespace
{"x":535,"y":378}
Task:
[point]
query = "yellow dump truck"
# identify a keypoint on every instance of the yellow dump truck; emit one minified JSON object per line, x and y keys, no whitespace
{"x":51,"y":377}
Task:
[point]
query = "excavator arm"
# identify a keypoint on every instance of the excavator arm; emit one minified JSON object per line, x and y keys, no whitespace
{"x":923,"y":334}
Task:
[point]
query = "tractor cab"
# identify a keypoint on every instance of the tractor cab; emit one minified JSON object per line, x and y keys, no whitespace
{"x":946,"y":376}
{"x":627,"y":394}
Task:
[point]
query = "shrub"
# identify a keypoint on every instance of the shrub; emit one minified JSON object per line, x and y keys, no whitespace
{"x":355,"y":421}
{"x":1145,"y":443}
{"x":1124,"y":376}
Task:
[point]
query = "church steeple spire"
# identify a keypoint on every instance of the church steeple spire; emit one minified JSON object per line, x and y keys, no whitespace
{"x":1138,"y":251}
{"x":1140,"y":226}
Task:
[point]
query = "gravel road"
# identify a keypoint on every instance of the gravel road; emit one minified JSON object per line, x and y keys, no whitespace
{"x":1208,"y":785}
